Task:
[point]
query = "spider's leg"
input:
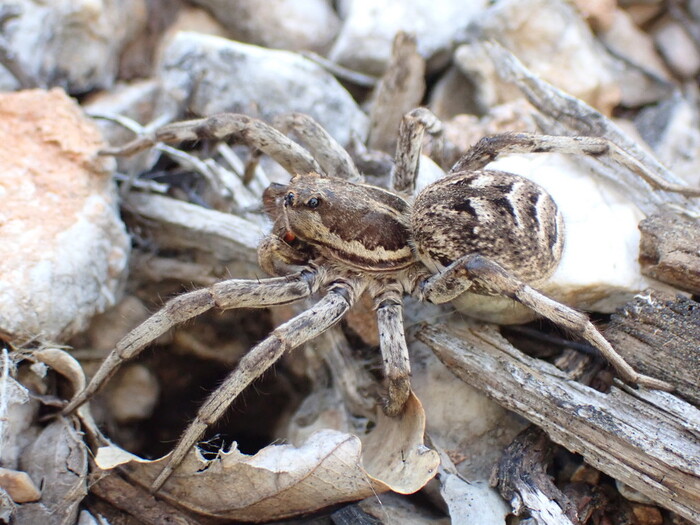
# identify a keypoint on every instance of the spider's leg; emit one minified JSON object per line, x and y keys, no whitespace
{"x":392,"y":342}
{"x":331,"y":156}
{"x":235,"y":293}
{"x":494,"y":277}
{"x":489,"y":148}
{"x":253,"y":132}
{"x":408,"y":148}
{"x":287,"y":336}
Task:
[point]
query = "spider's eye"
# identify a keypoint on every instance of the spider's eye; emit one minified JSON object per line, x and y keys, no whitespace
{"x":289,"y":198}
{"x":313,"y":202}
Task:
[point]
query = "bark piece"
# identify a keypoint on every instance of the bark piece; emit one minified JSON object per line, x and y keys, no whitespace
{"x":646,"y":439}
{"x":181,"y":225}
{"x":659,"y":334}
{"x":522,"y":479}
{"x":668,"y":249}
{"x":400,"y":90}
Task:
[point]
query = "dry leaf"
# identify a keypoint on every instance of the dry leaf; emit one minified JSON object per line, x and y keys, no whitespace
{"x":56,"y":462}
{"x":18,"y":485}
{"x":284,"y":480}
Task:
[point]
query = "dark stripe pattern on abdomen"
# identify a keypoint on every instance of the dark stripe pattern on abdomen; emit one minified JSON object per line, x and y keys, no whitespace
{"x":502,"y":216}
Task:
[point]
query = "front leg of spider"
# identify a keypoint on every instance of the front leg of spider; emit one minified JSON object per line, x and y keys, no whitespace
{"x":295,"y":332}
{"x":395,"y":358}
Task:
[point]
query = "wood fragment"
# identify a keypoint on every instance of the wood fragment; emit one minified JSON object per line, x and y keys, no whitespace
{"x":669,"y":249}
{"x":400,"y":90}
{"x":659,"y":334}
{"x":138,"y":502}
{"x":648,"y":440}
{"x":521,"y":478}
{"x":177,"y":224}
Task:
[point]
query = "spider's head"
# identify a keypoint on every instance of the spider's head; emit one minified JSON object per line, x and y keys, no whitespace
{"x":298,"y":207}
{"x":359,"y":224}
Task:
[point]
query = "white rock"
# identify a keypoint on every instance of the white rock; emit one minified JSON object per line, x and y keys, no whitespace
{"x":677,"y":48}
{"x":18,"y":485}
{"x":473,"y":502}
{"x":18,"y":412}
{"x":64,"y":251}
{"x":206,"y":75}
{"x":552,"y":40}
{"x":74,"y":44}
{"x":286,"y":24}
{"x":599,"y":269}
{"x":365,"y":40}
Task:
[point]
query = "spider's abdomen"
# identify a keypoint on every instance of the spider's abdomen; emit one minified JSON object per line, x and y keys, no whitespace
{"x":502,"y":216}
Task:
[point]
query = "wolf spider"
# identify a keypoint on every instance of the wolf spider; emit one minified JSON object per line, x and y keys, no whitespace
{"x":475,"y":231}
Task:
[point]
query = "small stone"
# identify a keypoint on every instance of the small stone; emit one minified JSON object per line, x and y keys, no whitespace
{"x":291,"y":24}
{"x":633,"y":494}
{"x":564,"y":52}
{"x":586,"y":474}
{"x":365,"y":40}
{"x":641,"y":14}
{"x":206,"y":75}
{"x":679,"y":50}
{"x":18,"y":485}
{"x":672,"y":129}
{"x":598,"y":13}
{"x":642,"y":74}
{"x":134,"y":394}
{"x":64,"y":252}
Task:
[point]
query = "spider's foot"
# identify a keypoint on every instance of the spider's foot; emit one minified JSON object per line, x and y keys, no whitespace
{"x":399,"y":390}
{"x":652,"y":382}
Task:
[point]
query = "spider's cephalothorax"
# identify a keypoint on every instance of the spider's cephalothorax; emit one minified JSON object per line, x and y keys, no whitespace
{"x":473,"y":233}
{"x":502,"y":216}
{"x":361,"y":226}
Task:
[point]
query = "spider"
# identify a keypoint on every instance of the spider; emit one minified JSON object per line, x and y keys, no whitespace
{"x":475,"y":231}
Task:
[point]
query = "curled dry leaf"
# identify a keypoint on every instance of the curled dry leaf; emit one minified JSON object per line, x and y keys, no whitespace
{"x":284,"y":480}
{"x":66,"y":365}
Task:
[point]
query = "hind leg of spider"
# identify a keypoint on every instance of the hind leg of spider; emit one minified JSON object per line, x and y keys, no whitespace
{"x":475,"y":268}
{"x":235,"y":293}
{"x":490,"y":148}
{"x":287,"y":336}
{"x":392,"y":342}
